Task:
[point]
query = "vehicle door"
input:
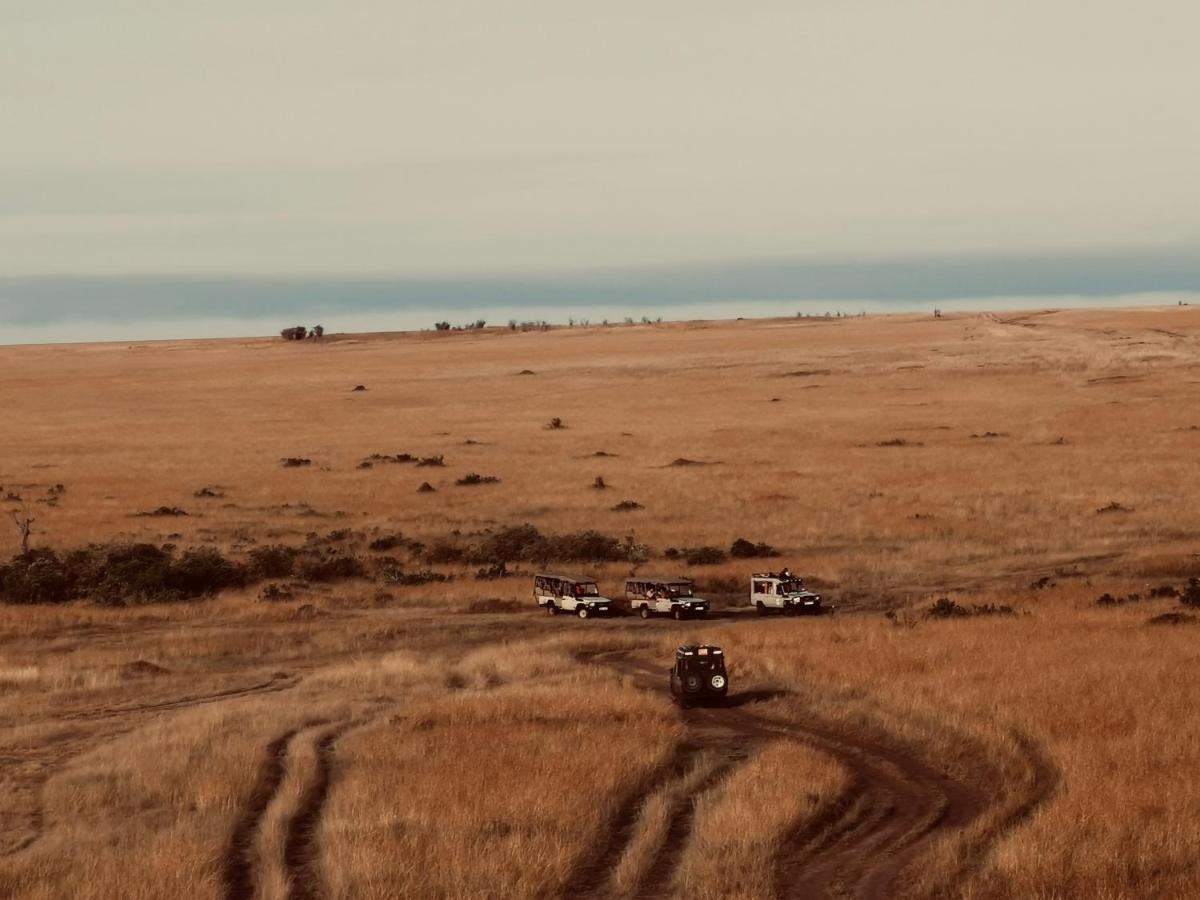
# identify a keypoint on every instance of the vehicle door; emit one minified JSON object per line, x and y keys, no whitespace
{"x":662,"y":599}
{"x":569,"y":601}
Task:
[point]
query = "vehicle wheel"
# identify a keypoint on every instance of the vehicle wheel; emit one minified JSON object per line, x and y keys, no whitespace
{"x":678,"y":615}
{"x":762,"y":610}
{"x":551,"y":609}
{"x":645,"y":613}
{"x":582,"y":612}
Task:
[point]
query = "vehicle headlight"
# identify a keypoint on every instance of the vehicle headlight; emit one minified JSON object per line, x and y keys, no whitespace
{"x":718,"y":681}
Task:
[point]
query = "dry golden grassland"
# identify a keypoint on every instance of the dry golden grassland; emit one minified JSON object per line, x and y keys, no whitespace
{"x":376,"y":740}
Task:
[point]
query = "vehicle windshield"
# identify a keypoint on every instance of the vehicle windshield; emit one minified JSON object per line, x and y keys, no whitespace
{"x":791,"y":587}
{"x":588,"y":589}
{"x":679,"y":590}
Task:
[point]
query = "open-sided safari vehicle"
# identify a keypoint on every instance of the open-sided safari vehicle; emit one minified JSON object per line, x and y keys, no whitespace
{"x":668,"y":596}
{"x":782,"y":591}
{"x":698,"y":675}
{"x":563,"y":593}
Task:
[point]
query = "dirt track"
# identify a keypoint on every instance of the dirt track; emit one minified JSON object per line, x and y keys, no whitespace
{"x":895,"y":807}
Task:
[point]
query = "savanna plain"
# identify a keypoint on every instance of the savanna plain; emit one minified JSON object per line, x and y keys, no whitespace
{"x":274,"y":637}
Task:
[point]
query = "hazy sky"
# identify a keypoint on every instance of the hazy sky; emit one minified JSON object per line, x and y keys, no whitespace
{"x":392,"y":138}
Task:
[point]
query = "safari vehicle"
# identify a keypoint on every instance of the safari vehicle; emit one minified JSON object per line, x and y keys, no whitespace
{"x":782,"y":591}
{"x":698,"y":675}
{"x":668,"y":596}
{"x":563,"y":593}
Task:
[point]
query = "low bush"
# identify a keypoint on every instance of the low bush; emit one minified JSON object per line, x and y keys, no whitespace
{"x":275,"y":593}
{"x":426,"y":488}
{"x":426,"y":461}
{"x":945,"y":608}
{"x":1191,"y":594}
{"x":744,"y":549}
{"x":163,"y":511}
{"x":703,"y":556}
{"x":396,"y":575}
{"x":295,"y":462}
{"x":329,"y":567}
{"x":627,"y":506}
{"x":274,"y":561}
{"x":476,"y":478}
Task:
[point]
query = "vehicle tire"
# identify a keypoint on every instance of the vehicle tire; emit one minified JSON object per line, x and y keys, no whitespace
{"x":551,"y":609}
{"x":677,"y":614}
{"x":645,"y":613}
{"x":762,"y":610}
{"x":582,"y":612}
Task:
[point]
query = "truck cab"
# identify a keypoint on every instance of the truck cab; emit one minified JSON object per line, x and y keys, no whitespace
{"x":673,"y":597}
{"x":566,"y":593}
{"x":784,"y":593}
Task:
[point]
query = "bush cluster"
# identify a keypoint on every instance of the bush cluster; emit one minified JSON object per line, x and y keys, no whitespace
{"x":117,"y":574}
{"x":525,"y":543}
{"x":945,"y":608}
{"x":696,"y":556}
{"x":744,"y":549}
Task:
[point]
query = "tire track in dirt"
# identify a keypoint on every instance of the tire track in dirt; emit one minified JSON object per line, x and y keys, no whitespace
{"x":238,"y":869}
{"x":657,"y":878}
{"x":57,"y":754}
{"x":858,"y":845}
{"x":278,"y":682}
{"x":301,"y":852}
{"x":590,"y":874}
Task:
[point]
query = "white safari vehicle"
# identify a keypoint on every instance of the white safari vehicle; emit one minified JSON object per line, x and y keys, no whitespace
{"x":668,"y":596}
{"x":782,"y":591}
{"x":563,"y":593}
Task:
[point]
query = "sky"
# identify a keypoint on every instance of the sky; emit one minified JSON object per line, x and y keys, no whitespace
{"x":510,"y":144}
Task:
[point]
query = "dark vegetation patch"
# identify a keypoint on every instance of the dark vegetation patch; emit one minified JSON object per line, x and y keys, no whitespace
{"x":394,"y":458}
{"x":744,"y":549}
{"x":469,"y":442}
{"x":555,"y":424}
{"x":209,"y":492}
{"x":295,"y":462}
{"x":163,"y":511}
{"x":493,"y":572}
{"x":696,"y":556}
{"x":117,"y":574}
{"x":683,"y":461}
{"x":1172,"y":618}
{"x":599,"y":484}
{"x":359,"y":387}
{"x":525,"y":543}
{"x":990,"y":434}
{"x":426,"y":488}
{"x":143,"y":668}
{"x":527,"y":372}
{"x":493,"y":605}
{"x":426,"y":461}
{"x":898,"y":442}
{"x":476,"y":478}
{"x":945,"y":608}
{"x":604,"y":454}
{"x":1191,"y":594}
{"x":396,"y":575}
{"x":627,"y":506}
{"x":806,"y":373}
{"x":276,"y":593}
{"x":1107,"y":599}
{"x":388,"y":542}
{"x":1113,"y":507}
{"x":1042,"y":583}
